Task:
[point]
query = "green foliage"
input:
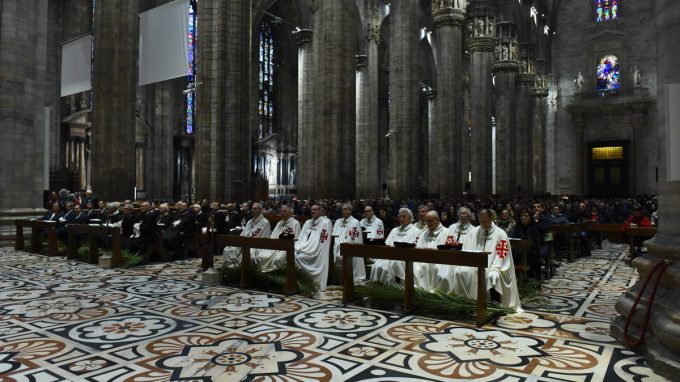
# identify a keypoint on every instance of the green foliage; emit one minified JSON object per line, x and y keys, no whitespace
{"x":84,"y":251}
{"x":276,"y":279}
{"x":131,"y":259}
{"x":530,"y":292}
{"x":429,"y":302}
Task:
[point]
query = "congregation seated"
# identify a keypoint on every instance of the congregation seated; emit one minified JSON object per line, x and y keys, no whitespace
{"x":528,"y":229}
{"x":347,"y":229}
{"x":387,"y":271}
{"x":311,"y":248}
{"x":288,"y":228}
{"x":257,"y":226}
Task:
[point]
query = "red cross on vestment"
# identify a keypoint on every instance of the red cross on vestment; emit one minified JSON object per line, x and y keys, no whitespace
{"x":450,"y":240}
{"x":353,"y":233}
{"x":256,"y":232}
{"x":502,"y":249}
{"x":288,"y":231}
{"x":380,"y":231}
{"x":323,"y":235}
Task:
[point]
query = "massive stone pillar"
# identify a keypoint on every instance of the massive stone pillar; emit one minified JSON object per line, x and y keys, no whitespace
{"x":538,"y":130}
{"x":23,"y":43}
{"x":445,"y":167}
{"x":115,"y":86}
{"x":662,"y":341}
{"x":523,"y":122}
{"x":505,"y":67}
{"x":334,"y":126}
{"x":367,"y":105}
{"x":404,"y":141}
{"x":223,"y":103}
{"x":480,"y":42}
{"x":308,"y":163}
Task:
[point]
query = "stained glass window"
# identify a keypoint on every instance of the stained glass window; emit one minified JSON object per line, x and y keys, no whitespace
{"x":606,"y":10}
{"x":608,"y":73}
{"x":266,"y":80}
{"x":191,"y":78}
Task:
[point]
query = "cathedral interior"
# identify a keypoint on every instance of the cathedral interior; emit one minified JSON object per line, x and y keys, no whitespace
{"x":345,"y":99}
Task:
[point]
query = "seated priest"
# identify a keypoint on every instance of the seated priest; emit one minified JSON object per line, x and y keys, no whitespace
{"x":385,"y":271}
{"x":459,"y":233}
{"x":268,"y":259}
{"x":500,"y":272}
{"x":311,"y":249}
{"x":258,"y":226}
{"x":347,"y":229}
{"x":147,"y":228}
{"x":372,"y":225}
{"x":435,"y":234}
{"x":422,"y":211}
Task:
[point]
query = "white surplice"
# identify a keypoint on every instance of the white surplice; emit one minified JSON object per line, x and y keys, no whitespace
{"x":269,"y":259}
{"x":446,"y":274}
{"x":500,"y":271}
{"x":384,"y":270}
{"x":425,"y":274}
{"x":374,"y":228}
{"x":256,"y":227}
{"x":311,"y":249}
{"x":349,"y":231}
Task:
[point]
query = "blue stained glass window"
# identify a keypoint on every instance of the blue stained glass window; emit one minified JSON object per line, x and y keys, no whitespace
{"x":608,"y":73}
{"x":266,"y":80}
{"x":606,"y":10}
{"x":191,"y":58}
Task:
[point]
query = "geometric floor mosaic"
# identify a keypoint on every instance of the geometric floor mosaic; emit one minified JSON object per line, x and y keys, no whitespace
{"x":67,"y":321}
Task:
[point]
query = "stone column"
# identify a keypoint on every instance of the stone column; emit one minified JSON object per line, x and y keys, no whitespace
{"x":404,"y":165}
{"x":481,"y":40}
{"x":506,"y":67}
{"x":307,"y":161}
{"x":432,"y":140}
{"x":115,"y":86}
{"x":538,"y":133}
{"x":523,"y":122}
{"x":662,"y":341}
{"x":445,"y":157}
{"x":368,"y":129}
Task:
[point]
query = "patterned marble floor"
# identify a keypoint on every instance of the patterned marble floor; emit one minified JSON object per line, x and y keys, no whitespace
{"x":67,"y":321}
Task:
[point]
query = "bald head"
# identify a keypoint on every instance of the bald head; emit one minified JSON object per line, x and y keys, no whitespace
{"x":432,"y":220}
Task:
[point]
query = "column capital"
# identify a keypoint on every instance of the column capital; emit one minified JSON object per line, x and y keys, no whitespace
{"x":448,"y":17}
{"x":440,"y":5}
{"x":526,"y":79}
{"x":505,"y":66}
{"x":373,"y":30}
{"x":481,"y":44}
{"x":361,"y":61}
{"x":303,"y":36}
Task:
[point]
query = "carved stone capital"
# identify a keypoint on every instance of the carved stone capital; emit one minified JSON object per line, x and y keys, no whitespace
{"x":505,"y":66}
{"x":481,"y":44}
{"x":303,"y":36}
{"x":448,"y":17}
{"x":438,"y":5}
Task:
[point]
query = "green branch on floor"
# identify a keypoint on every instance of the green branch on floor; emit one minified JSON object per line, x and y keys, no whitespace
{"x":276,"y":279}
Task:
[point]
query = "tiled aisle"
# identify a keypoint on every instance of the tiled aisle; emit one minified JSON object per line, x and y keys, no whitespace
{"x":62,"y":320}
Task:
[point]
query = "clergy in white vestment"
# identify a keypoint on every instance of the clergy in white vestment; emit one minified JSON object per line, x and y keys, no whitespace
{"x":422,"y":211}
{"x":384,"y":270}
{"x":373,"y":225}
{"x":348,"y":230}
{"x":459,"y":232}
{"x":500,"y":272}
{"x":425,"y":274}
{"x":269,"y":259}
{"x":312,"y":246}
{"x":258,"y":226}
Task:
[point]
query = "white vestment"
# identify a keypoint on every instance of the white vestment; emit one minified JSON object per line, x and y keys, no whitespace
{"x":425,"y":274}
{"x":269,"y":259}
{"x":446,"y":274}
{"x":374,"y":228}
{"x":386,"y":270}
{"x":256,"y":227}
{"x":500,"y":271}
{"x":311,"y":249}
{"x":349,"y":231}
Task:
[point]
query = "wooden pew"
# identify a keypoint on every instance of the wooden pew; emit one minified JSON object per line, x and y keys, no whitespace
{"x":639,"y":232}
{"x":408,"y":256}
{"x":522,"y":248}
{"x":93,"y":232}
{"x":36,"y":226}
{"x":261,"y":243}
{"x":568,"y":230}
{"x":613,"y":232}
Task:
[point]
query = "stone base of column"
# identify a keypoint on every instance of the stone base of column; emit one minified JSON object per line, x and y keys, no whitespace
{"x":7,"y":218}
{"x":662,"y":340}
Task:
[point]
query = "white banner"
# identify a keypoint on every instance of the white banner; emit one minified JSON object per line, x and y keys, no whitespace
{"x":76,"y":66}
{"x":163,"y":42}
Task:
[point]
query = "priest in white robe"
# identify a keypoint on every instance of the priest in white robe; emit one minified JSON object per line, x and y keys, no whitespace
{"x":385,"y":271}
{"x":258,"y":226}
{"x":311,"y":249}
{"x":268,"y":259}
{"x":348,"y":230}
{"x":372,"y":224}
{"x":425,"y":274}
{"x":500,"y":272}
{"x":422,"y":211}
{"x":458,"y":234}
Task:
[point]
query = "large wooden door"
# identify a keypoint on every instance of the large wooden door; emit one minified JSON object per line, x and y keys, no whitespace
{"x":608,"y":168}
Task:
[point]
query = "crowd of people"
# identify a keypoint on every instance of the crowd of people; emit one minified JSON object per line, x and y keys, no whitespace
{"x":473,"y":224}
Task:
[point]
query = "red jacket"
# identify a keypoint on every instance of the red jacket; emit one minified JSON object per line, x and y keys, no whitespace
{"x":642,"y":221}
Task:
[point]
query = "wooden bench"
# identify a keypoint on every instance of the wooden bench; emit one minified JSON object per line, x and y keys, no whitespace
{"x":93,"y":232}
{"x":569,"y":230}
{"x":246,"y":243}
{"x":613,"y":232}
{"x":408,"y":256}
{"x":521,"y":247}
{"x":36,"y":226}
{"x":639,"y":232}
